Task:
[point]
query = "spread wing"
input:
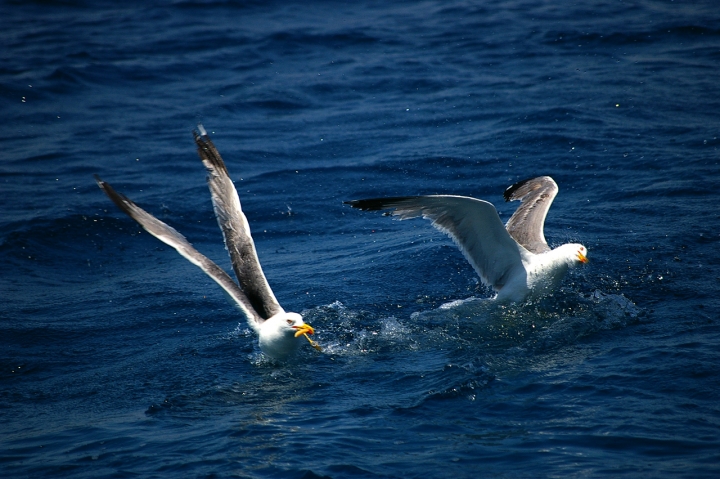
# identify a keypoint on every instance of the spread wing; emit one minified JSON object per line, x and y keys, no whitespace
{"x":171,"y":237}
{"x":526,"y":225}
{"x":236,"y":230}
{"x":473,"y":224}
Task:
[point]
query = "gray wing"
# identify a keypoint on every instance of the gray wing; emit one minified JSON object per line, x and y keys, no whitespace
{"x":473,"y":224}
{"x":171,"y":237}
{"x":527,"y":223}
{"x":236,"y":230}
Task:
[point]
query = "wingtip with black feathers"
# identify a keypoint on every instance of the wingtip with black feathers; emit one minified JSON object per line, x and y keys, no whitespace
{"x":119,"y":199}
{"x":207,"y":150}
{"x":510,"y":190}
{"x":377,"y":204}
{"x":522,"y":188}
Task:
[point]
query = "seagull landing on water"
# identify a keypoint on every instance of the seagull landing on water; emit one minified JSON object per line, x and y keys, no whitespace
{"x":279,"y":332}
{"x":515,"y":260}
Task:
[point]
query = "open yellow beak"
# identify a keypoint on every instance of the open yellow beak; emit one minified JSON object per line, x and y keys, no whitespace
{"x":582,"y":258}
{"x":304,"y":330}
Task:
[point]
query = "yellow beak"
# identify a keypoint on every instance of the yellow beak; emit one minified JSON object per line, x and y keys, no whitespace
{"x":582,"y":258}
{"x":303,"y":329}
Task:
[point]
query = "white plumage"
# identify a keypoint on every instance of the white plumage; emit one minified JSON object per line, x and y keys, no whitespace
{"x":279,"y":332}
{"x":515,"y":260}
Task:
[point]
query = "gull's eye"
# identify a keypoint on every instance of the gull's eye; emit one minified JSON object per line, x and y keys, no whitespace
{"x":290,"y":322}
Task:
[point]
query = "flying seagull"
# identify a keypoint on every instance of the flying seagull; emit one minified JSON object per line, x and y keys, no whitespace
{"x":515,"y":260}
{"x":279,"y":332}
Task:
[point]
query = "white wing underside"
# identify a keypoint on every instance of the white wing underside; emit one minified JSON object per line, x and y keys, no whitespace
{"x":473,"y":224}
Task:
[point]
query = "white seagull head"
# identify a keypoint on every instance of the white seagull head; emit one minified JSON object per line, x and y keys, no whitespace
{"x":570,"y":254}
{"x":576,"y":252}
{"x":281,"y":334}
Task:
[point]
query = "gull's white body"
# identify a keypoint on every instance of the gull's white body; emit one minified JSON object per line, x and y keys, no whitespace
{"x":543,"y":274}
{"x":278,"y":331}
{"x":513,"y":259}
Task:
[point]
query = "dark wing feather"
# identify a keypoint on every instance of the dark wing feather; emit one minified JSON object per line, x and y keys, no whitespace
{"x":526,"y":225}
{"x":236,"y":230}
{"x":171,"y":237}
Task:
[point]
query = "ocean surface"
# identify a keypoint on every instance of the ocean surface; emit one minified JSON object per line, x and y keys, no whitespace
{"x":119,"y":358}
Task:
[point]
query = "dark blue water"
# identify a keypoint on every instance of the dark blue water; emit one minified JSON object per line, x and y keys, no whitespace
{"x":118,"y":358}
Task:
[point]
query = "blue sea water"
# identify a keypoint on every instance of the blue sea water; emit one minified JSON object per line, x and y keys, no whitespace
{"x":118,"y":358}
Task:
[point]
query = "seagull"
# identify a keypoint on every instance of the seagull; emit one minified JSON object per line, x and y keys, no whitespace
{"x":279,"y":332}
{"x":514,"y":260}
